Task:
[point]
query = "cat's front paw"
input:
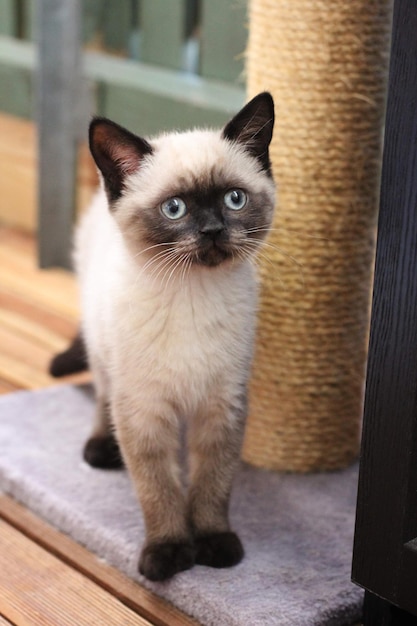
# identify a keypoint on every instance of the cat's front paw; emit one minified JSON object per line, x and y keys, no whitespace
{"x":218,"y":549}
{"x":160,"y":561}
{"x":103,"y":452}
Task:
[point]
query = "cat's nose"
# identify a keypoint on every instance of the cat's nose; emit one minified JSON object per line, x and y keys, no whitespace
{"x":212,"y":231}
{"x":212,"y":228}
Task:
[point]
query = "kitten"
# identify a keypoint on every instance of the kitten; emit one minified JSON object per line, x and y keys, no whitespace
{"x":164,"y":258}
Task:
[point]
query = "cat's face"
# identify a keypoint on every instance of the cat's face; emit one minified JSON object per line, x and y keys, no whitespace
{"x":200,"y":197}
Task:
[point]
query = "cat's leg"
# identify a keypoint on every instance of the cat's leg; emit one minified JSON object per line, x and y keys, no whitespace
{"x":215,"y":440}
{"x":101,"y":449}
{"x":147,"y":430}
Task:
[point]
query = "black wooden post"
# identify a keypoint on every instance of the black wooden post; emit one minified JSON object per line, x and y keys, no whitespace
{"x":385,"y":551}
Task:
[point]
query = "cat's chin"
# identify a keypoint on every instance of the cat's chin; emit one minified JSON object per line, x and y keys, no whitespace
{"x":213,"y":256}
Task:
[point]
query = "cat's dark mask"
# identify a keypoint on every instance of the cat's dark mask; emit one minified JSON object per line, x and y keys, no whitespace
{"x":118,"y":152}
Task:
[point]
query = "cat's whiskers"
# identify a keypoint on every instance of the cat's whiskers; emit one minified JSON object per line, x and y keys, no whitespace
{"x":156,"y":245}
{"x":256,"y":247}
{"x":162,"y":264}
{"x":187,"y":264}
{"x":177,"y":263}
{"x":154,"y":258}
{"x":145,"y":269}
{"x":269,"y":244}
{"x":242,"y":255}
{"x":158,"y":260}
{"x":153,"y":265}
{"x":186,"y":268}
{"x":254,"y":255}
{"x":267,"y":229}
{"x":254,"y":251}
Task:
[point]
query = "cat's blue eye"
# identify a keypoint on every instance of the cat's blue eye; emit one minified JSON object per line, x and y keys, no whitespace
{"x":174,"y":208}
{"x":235,"y":199}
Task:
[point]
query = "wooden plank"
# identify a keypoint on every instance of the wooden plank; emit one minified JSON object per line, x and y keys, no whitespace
{"x":22,"y":362}
{"x":23,"y":350}
{"x":7,"y":387}
{"x":35,"y":332}
{"x":162,"y":32}
{"x":17,"y":171}
{"x":223,"y":39}
{"x":37,"y":587}
{"x":20,"y":375}
{"x":58,"y":95}
{"x":26,"y":349}
{"x":21,"y":249}
{"x":38,"y":316}
{"x":19,"y":276}
{"x":378,"y":612}
{"x":386,"y":517}
{"x":18,"y":175}
{"x":150,"y":606}
{"x":37,"y":313}
{"x":17,"y":284}
{"x":4,"y":622}
{"x":19,"y":243}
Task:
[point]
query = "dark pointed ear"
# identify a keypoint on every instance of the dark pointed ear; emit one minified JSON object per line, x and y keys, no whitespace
{"x":117,"y":153}
{"x":252,"y":127}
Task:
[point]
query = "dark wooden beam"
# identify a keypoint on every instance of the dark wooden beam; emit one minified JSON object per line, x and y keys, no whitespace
{"x":386,"y":521}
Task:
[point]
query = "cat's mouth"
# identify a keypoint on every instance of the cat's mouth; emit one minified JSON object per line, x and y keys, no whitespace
{"x":213,"y":253}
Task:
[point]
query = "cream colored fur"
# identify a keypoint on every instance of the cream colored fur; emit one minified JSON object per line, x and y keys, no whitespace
{"x":180,"y":335}
{"x":167,"y":343}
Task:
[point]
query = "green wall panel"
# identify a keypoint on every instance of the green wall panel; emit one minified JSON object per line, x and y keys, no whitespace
{"x":162,"y":27}
{"x":223,"y":39}
{"x":16,"y":91}
{"x":8,"y":17}
{"x":148,"y":113}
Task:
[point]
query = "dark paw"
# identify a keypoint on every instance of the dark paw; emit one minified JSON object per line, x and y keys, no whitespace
{"x":103,"y":452}
{"x":219,"y":549}
{"x":160,"y":561}
{"x":71,"y":361}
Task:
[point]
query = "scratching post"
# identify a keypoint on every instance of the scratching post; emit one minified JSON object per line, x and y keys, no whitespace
{"x":325,"y":64}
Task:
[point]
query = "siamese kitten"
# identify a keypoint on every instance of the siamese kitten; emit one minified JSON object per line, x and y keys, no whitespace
{"x":164,"y":258}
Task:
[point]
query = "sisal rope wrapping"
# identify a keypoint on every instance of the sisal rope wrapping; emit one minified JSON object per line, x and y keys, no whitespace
{"x":325,"y":63}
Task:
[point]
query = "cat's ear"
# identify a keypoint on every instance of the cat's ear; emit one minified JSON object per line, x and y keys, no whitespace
{"x":252,"y":127}
{"x":117,"y":153}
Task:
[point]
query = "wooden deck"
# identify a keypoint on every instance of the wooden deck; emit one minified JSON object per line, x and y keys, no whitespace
{"x":45,"y":577}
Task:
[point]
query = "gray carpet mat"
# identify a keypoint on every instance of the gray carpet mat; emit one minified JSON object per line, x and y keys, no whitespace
{"x":297,"y":530}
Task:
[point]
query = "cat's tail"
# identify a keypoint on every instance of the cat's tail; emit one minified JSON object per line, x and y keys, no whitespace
{"x":72,"y":360}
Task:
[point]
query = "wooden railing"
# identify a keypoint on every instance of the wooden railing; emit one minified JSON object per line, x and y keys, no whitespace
{"x":150,"y":65}
{"x":204,"y":37}
{"x":182,"y":58}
